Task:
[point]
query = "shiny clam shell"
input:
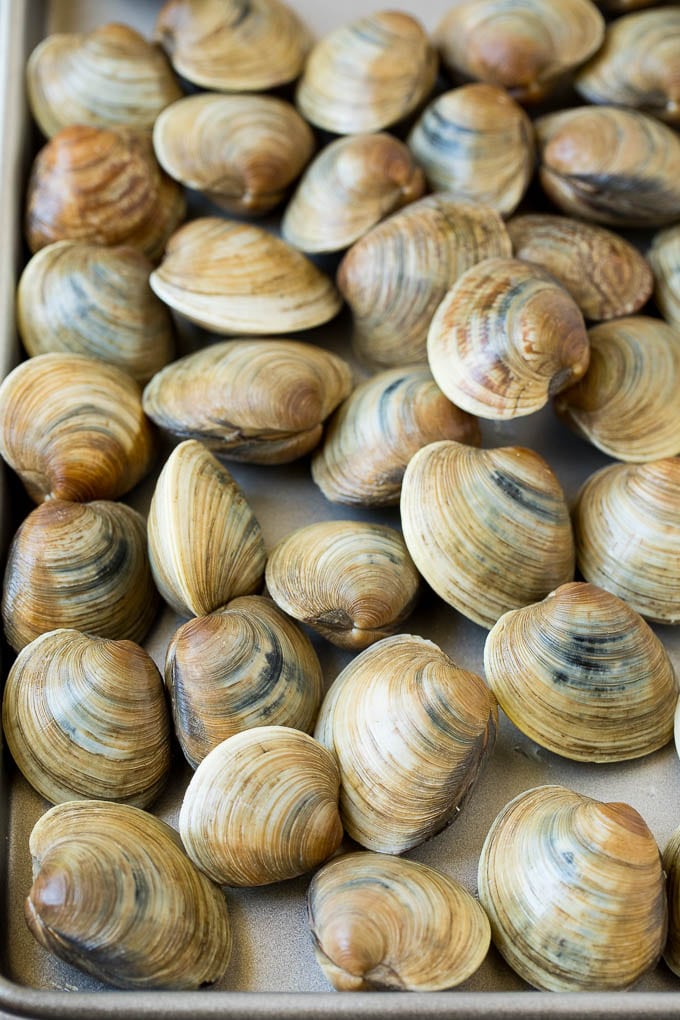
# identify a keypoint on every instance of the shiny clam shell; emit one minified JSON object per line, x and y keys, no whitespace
{"x":671,"y":863}
{"x":664,"y":256}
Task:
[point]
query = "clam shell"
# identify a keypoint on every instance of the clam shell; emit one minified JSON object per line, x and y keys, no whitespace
{"x":574,"y":891}
{"x":489,"y":530}
{"x":622,"y":6}
{"x":664,"y":256}
{"x":410,"y":730}
{"x":583,"y":675}
{"x":384,"y":922}
{"x":262,"y":807}
{"x":114,"y":894}
{"x":86,"y":718}
{"x":671,"y":859}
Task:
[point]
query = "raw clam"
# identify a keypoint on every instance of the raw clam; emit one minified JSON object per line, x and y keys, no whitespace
{"x":574,"y":890}
{"x":86,"y":718}
{"x":351,"y":581}
{"x":384,"y":922}
{"x":114,"y":894}
{"x":489,"y":530}
{"x":583,"y":675}
{"x":505,"y":338}
{"x":411,"y":731}
{"x":664,"y":256}
{"x":262,"y":807}
{"x":671,"y":863}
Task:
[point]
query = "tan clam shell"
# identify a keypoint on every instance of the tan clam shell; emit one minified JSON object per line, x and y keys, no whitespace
{"x":114,"y":894}
{"x":664,"y":257}
{"x":73,"y":428}
{"x":86,"y":718}
{"x":671,"y":861}
{"x":368,"y":74}
{"x":262,"y":807}
{"x":505,"y":338}
{"x":583,"y":675}
{"x":351,"y":581}
{"x":395,"y":277}
{"x":411,"y":731}
{"x":236,"y":278}
{"x":383,"y":922}
{"x":351,"y":185}
{"x":478,"y":144}
{"x":574,"y":890}
{"x":261,"y":401}
{"x":489,"y":530}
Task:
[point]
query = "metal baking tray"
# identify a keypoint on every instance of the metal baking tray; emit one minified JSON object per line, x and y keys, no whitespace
{"x":273,"y":972}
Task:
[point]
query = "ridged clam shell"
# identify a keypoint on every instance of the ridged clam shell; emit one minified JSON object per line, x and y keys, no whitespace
{"x":574,"y":891}
{"x":671,"y":865}
{"x":385,"y":922}
{"x":86,"y":718}
{"x":489,"y":530}
{"x":583,"y":675}
{"x":411,"y":731}
{"x":262,"y":807}
{"x":664,"y":256}
{"x":505,"y":338}
{"x":114,"y":894}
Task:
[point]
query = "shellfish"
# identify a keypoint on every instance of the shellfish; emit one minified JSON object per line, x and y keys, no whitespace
{"x":664,"y":256}
{"x":671,"y":859}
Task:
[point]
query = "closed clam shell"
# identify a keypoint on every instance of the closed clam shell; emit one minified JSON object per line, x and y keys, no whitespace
{"x":582,"y":674}
{"x":367,"y":74}
{"x":73,"y":428}
{"x":478,"y":144}
{"x":489,"y":530}
{"x":664,"y":256}
{"x":115,"y":895}
{"x":82,"y":566}
{"x":611,"y":166}
{"x":235,"y":278}
{"x":351,"y":581}
{"x":109,"y":77}
{"x":505,"y":338}
{"x":205,"y":544}
{"x":242,"y":151}
{"x":671,"y":862}
{"x":411,"y":731}
{"x":574,"y":890}
{"x":352,"y":184}
{"x":394,"y":278}
{"x":379,"y":921}
{"x":86,"y":718}
{"x":262,"y":807}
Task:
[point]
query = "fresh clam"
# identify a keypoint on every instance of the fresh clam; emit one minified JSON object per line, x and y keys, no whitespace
{"x":411,"y":731}
{"x":114,"y":894}
{"x":489,"y":530}
{"x":671,"y":865}
{"x":379,"y":921}
{"x":664,"y":256}
{"x":583,"y":675}
{"x":574,"y":890}
{"x":262,"y":807}
{"x":86,"y":718}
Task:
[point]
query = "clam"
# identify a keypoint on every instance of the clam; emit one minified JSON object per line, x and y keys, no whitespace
{"x":583,"y":675}
{"x":352,"y":184}
{"x":73,"y":428}
{"x":379,"y":921}
{"x":262,"y":807}
{"x":478,"y":144}
{"x":205,"y":545}
{"x":622,"y":6}
{"x":235,"y":278}
{"x":242,"y":151}
{"x":243,"y":666}
{"x":394,"y":278}
{"x":411,"y":731}
{"x":506,"y":338}
{"x":81,"y":566}
{"x":261,"y":401}
{"x":612,"y":166}
{"x":627,"y":534}
{"x":489,"y":530}
{"x":114,"y":895}
{"x":664,"y":256}
{"x":368,"y":74}
{"x":110,"y":77}
{"x":574,"y":890}
{"x":606,"y":276}
{"x":351,"y":581}
{"x":103,"y":186}
{"x":671,"y":860}
{"x":86,"y":718}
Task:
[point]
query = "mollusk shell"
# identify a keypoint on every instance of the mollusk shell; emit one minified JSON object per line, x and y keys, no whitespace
{"x":671,"y":865}
{"x":664,"y":256}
